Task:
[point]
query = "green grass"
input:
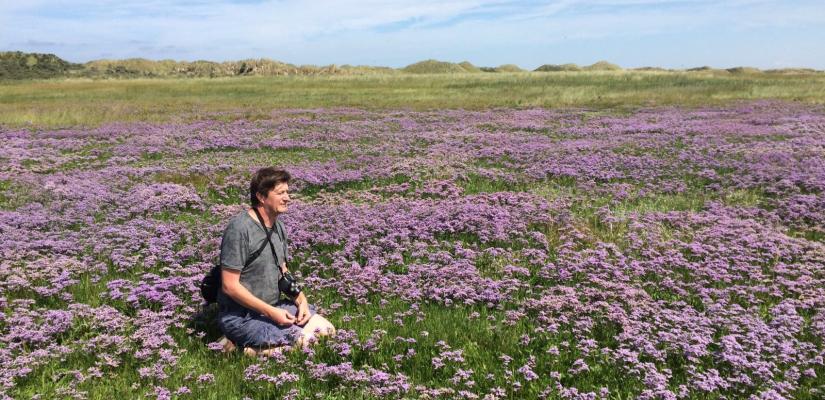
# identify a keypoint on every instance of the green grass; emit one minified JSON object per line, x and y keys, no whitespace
{"x":238,"y":159}
{"x":14,"y":194}
{"x":71,"y":102}
{"x":311,"y":191}
{"x":478,"y":334}
{"x":58,"y":103}
{"x":431,"y":324}
{"x":474,"y":184}
{"x":200,"y":181}
{"x":744,"y":197}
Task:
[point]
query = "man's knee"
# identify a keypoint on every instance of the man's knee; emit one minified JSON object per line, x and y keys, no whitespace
{"x":318,"y":326}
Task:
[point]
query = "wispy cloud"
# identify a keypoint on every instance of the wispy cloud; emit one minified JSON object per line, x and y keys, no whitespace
{"x":389,"y":32}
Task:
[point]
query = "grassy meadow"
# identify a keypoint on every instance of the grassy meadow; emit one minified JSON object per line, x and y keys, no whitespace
{"x":75,"y":102}
{"x":575,"y":235}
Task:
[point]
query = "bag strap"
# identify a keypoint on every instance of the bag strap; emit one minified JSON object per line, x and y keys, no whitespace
{"x":258,"y":252}
{"x":269,"y":235}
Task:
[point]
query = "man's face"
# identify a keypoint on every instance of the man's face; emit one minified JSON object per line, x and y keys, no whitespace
{"x":277,"y":199}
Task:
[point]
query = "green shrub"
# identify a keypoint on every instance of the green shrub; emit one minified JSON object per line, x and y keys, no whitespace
{"x":558,"y":68}
{"x":434,"y":67}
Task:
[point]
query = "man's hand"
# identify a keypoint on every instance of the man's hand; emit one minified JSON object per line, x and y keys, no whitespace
{"x":281,"y":317}
{"x":303,"y":313}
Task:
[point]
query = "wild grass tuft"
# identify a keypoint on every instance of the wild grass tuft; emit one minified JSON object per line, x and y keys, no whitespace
{"x":83,"y":102}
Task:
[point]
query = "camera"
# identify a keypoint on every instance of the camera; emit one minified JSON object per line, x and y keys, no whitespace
{"x":289,"y":285}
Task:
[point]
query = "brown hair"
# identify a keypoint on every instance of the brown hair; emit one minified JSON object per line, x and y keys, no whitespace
{"x":264,"y":180}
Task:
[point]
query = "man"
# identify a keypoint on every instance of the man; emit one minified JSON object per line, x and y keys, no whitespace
{"x":252,"y":315}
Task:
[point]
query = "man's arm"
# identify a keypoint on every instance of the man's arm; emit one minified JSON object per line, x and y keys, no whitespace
{"x":300,"y":300}
{"x":231,"y":286}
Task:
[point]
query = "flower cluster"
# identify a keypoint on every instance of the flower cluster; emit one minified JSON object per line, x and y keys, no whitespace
{"x":668,"y":253}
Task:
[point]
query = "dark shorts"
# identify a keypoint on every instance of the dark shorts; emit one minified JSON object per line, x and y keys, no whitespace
{"x":250,"y":329}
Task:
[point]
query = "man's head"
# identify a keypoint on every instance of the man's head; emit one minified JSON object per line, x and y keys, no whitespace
{"x":270,"y":188}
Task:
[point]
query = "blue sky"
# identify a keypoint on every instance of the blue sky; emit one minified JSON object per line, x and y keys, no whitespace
{"x":631,"y":33}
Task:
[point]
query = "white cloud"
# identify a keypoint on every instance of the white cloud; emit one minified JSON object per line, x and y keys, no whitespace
{"x":302,"y":32}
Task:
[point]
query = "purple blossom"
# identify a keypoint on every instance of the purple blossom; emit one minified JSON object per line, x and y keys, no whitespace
{"x":623,"y":242}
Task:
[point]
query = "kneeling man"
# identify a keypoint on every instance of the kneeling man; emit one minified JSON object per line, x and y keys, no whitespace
{"x":252,"y":314}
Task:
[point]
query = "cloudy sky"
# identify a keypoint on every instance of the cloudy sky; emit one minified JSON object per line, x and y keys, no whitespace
{"x":631,"y":33}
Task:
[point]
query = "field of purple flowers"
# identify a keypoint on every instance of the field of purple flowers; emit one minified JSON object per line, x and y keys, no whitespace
{"x":660,"y":254}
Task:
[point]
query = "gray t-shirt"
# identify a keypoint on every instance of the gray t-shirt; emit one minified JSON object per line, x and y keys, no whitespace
{"x":242,"y":237}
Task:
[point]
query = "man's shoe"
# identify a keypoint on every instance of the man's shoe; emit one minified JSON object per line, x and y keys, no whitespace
{"x":265,"y":352}
{"x":227,"y":344}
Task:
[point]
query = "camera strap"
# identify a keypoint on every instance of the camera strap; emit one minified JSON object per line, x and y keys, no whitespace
{"x":269,"y":236}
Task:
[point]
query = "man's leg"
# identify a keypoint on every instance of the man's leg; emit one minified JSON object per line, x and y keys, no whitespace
{"x":316,"y":326}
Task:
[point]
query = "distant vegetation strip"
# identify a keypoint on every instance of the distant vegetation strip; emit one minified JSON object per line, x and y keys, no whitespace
{"x":88,"y":102}
{"x":20,"y":65}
